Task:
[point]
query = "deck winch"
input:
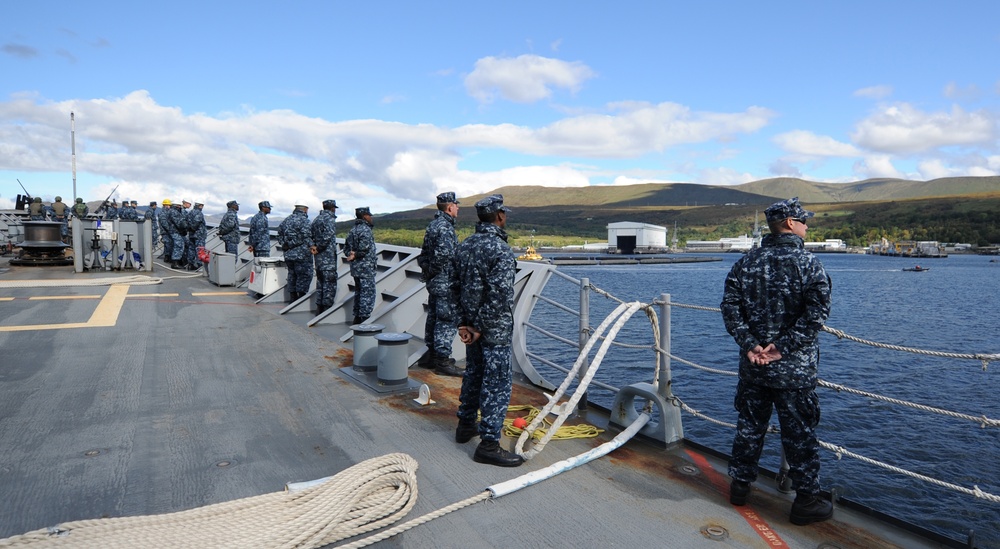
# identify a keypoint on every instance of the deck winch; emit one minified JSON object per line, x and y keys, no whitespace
{"x":42,"y":245}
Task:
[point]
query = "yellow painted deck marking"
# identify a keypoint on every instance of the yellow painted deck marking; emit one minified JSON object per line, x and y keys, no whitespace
{"x":6,"y":299}
{"x":106,"y":313}
{"x":217,"y":293}
{"x":153,"y":295}
{"x":47,"y":297}
{"x":107,"y":310}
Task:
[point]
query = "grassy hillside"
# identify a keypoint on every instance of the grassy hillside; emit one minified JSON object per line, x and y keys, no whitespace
{"x":855,"y":212}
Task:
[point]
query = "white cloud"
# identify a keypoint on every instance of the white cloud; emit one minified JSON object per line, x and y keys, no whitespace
{"x":724,"y":176}
{"x":808,"y":144}
{"x":904,"y":129}
{"x":874,"y":92}
{"x":873,"y":166}
{"x":524,"y":79}
{"x":154,"y":152}
{"x":935,"y":169}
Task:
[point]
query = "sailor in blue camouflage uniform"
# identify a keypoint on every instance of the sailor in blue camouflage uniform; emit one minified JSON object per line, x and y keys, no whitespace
{"x":324,"y":236}
{"x":260,"y":233}
{"x":111,"y":210}
{"x":776,"y":300}
{"x":197,"y":233}
{"x":165,"y":228}
{"x":177,"y":225}
{"x":151,"y":217}
{"x":359,"y":249}
{"x":229,"y":228}
{"x":436,"y":260}
{"x":484,"y":272}
{"x":295,"y":238}
{"x":128,"y":211}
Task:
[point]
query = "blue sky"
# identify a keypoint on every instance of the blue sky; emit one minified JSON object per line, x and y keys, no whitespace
{"x":386,"y":104}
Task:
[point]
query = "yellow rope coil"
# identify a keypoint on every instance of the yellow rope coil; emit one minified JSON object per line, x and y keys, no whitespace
{"x":565,"y":432}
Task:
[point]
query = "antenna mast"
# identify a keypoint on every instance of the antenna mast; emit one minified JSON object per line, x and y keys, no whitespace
{"x":72,"y":133}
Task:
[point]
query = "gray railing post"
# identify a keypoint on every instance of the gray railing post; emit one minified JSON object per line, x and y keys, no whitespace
{"x":664,"y":385}
{"x":584,"y":334}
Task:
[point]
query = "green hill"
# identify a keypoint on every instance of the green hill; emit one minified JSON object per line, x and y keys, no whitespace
{"x":962,"y":209}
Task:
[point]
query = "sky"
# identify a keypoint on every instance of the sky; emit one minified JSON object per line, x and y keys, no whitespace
{"x":386,"y":104}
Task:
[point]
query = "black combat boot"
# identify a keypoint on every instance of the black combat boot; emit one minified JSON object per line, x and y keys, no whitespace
{"x":808,"y":509}
{"x":738,"y":492}
{"x":426,"y":360}
{"x":489,"y":451}
{"x":445,"y":366}
{"x":357,"y":320}
{"x":466,"y":431}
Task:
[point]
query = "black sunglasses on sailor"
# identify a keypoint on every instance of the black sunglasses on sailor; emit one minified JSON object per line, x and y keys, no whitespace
{"x":801,"y":220}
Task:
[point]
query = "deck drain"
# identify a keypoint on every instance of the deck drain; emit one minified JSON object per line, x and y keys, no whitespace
{"x":224,"y":463}
{"x":92,"y":453}
{"x":713,"y":532}
{"x":689,"y":470}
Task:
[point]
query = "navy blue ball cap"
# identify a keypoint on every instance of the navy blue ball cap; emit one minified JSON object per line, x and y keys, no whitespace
{"x":785,"y":209}
{"x":447,"y":198}
{"x":491,"y":204}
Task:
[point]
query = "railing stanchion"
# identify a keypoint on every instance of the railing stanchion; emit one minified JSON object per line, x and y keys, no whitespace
{"x":584,"y":334}
{"x":664,"y":385}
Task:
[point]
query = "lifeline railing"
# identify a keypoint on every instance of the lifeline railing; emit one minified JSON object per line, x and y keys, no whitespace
{"x":663,"y":385}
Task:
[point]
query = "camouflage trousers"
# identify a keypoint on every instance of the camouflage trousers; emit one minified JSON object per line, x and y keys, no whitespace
{"x":192,"y":251}
{"x":326,"y":288}
{"x":300,"y":275}
{"x":486,"y":388}
{"x":441,"y":326}
{"x":798,"y":416}
{"x":232,"y":247}
{"x":168,"y":246}
{"x":364,"y":296}
{"x":177,"y":253}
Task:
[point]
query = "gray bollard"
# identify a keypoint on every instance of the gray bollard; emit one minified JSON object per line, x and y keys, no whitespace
{"x":392,"y":358}
{"x":366,"y":347}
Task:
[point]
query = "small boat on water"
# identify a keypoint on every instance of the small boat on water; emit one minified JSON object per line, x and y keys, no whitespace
{"x":916,"y":269}
{"x":530,"y":254}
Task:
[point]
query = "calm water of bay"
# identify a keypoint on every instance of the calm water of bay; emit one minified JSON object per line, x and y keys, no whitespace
{"x":953,"y":307}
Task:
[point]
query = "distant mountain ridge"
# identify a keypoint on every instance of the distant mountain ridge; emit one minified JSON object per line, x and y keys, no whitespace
{"x":764,"y":191}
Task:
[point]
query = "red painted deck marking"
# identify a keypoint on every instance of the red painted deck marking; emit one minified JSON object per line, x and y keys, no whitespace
{"x":757,"y":522}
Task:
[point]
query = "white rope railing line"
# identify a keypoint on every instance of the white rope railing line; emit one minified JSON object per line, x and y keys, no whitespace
{"x":974,"y":491}
{"x":840,"y":451}
{"x":984,"y":358}
{"x":983,"y":420}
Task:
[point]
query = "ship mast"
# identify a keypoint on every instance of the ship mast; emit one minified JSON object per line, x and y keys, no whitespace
{"x":72,"y":133}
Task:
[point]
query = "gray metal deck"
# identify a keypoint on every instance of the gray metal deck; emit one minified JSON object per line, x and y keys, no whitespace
{"x":159,"y":398}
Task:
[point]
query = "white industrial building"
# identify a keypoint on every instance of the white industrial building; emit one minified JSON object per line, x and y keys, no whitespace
{"x":626,"y":237}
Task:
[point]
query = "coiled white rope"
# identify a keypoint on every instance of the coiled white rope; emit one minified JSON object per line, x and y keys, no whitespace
{"x":359,"y":499}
